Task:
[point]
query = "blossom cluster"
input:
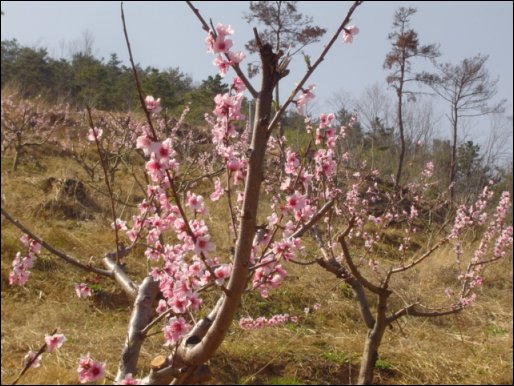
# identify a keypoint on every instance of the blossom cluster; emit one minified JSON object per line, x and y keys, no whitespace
{"x":175,"y":329}
{"x":162,"y":156}
{"x":21,"y":264}
{"x":83,"y":290}
{"x":276,"y":320}
{"x":218,"y":43}
{"x":52,"y":343}
{"x":90,"y":370}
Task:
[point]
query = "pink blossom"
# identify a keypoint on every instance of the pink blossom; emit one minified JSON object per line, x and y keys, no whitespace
{"x":131,"y":235}
{"x":238,"y":85}
{"x":218,"y":190}
{"x":234,"y":164}
{"x":236,"y":57}
{"x":175,"y":329}
{"x":273,"y":219}
{"x":305,"y":97}
{"x":222,"y":64}
{"x":296,"y":201}
{"x":429,"y":170}
{"x":129,"y":380}
{"x":94,"y":133}
{"x":276,"y":320}
{"x":164,"y":150}
{"x":195,"y":301}
{"x":18,"y":276}
{"x":224,"y":30}
{"x":325,"y":163}
{"x":54,"y":341}
{"x":144,"y":142}
{"x":222,"y":272}
{"x":228,"y":106}
{"x":29,"y":357}
{"x":468,"y":301}
{"x":326,"y":120}
{"x":246,"y":323}
{"x":349,"y":33}
{"x":120,"y":225}
{"x":179,"y":305}
{"x":154,"y":164}
{"x":203,"y":245}
{"x":503,"y":242}
{"x":161,"y":307}
{"x":292,"y":162}
{"x":195,"y":202}
{"x":31,"y":244}
{"x":477,"y":282}
{"x":152,"y":105}
{"x":413,"y":213}
{"x":219,"y":44}
{"x":89,"y":370}
{"x":82,"y":290}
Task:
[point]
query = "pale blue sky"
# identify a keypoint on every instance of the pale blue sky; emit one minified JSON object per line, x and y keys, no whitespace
{"x":167,"y":34}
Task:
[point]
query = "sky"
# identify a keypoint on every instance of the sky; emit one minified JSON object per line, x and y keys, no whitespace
{"x":168,"y":34}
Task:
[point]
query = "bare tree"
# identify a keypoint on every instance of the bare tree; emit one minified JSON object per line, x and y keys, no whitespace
{"x":405,"y":47}
{"x":373,"y":107}
{"x":82,"y":45}
{"x":469,"y":89}
{"x":286,"y":30}
{"x":498,"y":148}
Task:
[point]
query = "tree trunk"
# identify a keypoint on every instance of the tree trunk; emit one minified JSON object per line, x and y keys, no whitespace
{"x":17,"y":155}
{"x":373,"y":340}
{"x":400,"y":124}
{"x":453,"y":163}
{"x":370,"y":356}
{"x":142,"y":315}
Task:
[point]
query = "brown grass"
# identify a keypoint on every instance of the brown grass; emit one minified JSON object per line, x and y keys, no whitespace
{"x":474,"y":347}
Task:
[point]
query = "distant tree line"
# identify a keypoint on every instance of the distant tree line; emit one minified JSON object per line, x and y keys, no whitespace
{"x":102,"y":84}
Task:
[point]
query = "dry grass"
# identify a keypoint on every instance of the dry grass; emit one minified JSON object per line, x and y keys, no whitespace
{"x":474,"y":347}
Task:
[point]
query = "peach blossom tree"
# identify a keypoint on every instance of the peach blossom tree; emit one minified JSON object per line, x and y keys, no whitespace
{"x":315,"y":195}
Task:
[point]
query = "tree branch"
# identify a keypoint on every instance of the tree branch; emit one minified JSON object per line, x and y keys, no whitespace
{"x":55,"y":251}
{"x":412,"y":310}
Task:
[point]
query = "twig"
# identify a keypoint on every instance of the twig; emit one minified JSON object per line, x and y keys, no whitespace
{"x":103,"y":162}
{"x":31,"y":361}
{"x":136,"y":76}
{"x":235,"y":66}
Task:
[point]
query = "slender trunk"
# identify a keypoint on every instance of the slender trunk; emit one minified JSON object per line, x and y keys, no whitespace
{"x":400,"y":126}
{"x":373,"y":340}
{"x":453,"y":163}
{"x":369,"y":358}
{"x":18,"y":148}
{"x":17,"y":155}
